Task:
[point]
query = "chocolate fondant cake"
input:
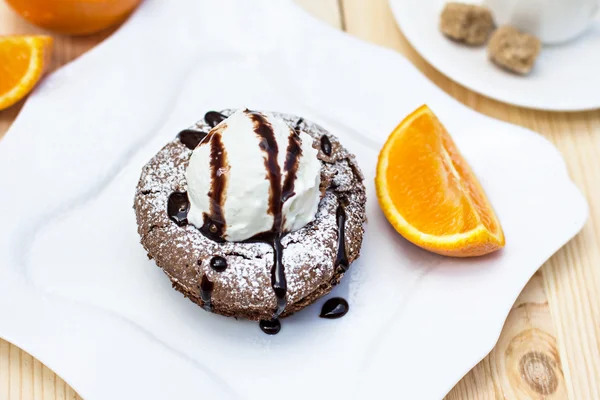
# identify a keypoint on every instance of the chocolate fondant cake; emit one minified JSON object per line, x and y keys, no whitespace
{"x":270,"y":274}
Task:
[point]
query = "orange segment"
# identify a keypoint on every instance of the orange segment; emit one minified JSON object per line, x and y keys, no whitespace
{"x":429,"y":194}
{"x":23,"y":60}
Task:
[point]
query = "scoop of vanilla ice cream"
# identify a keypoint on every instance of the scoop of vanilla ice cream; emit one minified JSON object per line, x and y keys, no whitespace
{"x":250,"y":169}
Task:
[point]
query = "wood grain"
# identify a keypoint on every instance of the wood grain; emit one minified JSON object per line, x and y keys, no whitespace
{"x":525,"y":364}
{"x":549,"y":347}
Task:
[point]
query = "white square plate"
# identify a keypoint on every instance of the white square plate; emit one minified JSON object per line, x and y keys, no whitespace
{"x":76,"y":288}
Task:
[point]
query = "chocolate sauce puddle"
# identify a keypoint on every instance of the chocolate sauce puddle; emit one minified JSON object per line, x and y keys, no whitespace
{"x":213,"y":118}
{"x":333,"y":308}
{"x":191,"y":138}
{"x":206,"y":289}
{"x":270,"y":327}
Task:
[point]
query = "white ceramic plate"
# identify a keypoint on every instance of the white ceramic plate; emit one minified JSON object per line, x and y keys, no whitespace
{"x":76,"y":288}
{"x":565,"y":77}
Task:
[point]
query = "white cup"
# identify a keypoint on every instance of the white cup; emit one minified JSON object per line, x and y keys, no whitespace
{"x":552,"y":21}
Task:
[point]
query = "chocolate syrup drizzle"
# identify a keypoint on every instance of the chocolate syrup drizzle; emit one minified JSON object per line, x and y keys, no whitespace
{"x":292,"y":161}
{"x":298,"y":124}
{"x":191,"y":138}
{"x":218,"y":263}
{"x":214,"y":224}
{"x":268,"y":144}
{"x":206,"y":289}
{"x":326,"y":145}
{"x":341,"y":259}
{"x":213,"y":118}
{"x":333,"y":308}
{"x":178,"y":207}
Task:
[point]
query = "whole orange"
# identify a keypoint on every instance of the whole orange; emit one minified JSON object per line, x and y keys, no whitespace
{"x":74,"y":17}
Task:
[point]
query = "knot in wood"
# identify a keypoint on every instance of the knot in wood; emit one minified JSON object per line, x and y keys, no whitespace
{"x":537,"y":369}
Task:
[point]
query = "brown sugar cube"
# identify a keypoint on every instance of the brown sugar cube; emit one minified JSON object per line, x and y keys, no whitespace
{"x":514,"y":50}
{"x":467,"y":23}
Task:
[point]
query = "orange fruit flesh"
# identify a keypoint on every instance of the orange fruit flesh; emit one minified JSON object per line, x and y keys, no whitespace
{"x":431,"y":171}
{"x":429,"y":193}
{"x":14,"y":63}
{"x":23,"y":60}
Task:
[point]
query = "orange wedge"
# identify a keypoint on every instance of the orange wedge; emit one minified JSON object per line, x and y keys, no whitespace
{"x":23,"y":61}
{"x":428,"y":192}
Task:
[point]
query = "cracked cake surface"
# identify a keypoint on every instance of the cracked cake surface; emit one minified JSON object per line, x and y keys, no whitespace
{"x":243,"y":288}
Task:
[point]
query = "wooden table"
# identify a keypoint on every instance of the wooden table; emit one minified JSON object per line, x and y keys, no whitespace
{"x":549,"y":347}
